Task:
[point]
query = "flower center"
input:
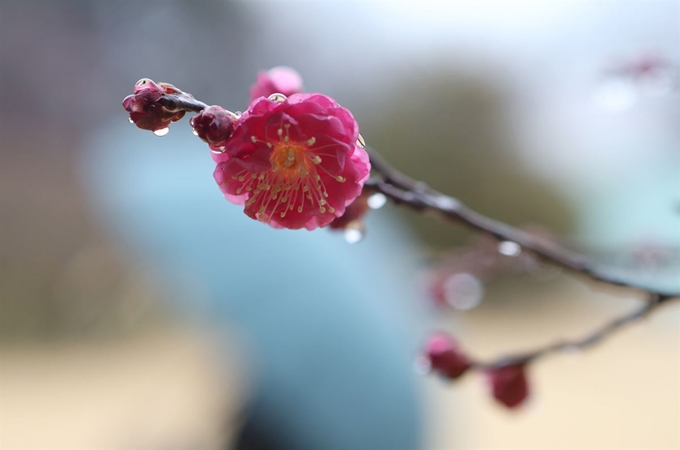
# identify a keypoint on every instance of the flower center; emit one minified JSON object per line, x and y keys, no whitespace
{"x":292,"y":184}
{"x":290,"y":160}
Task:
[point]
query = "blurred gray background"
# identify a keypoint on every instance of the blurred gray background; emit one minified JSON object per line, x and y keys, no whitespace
{"x":118,"y":328}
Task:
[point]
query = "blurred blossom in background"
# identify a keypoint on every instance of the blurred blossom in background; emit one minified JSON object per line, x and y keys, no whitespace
{"x":139,"y":309}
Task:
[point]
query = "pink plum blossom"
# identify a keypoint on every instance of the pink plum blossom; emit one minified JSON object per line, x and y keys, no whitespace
{"x":293,"y":163}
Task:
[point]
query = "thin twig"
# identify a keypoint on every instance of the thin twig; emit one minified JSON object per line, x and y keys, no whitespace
{"x":589,"y":340}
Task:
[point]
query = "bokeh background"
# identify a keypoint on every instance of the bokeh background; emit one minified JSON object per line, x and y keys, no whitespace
{"x":140,"y":310}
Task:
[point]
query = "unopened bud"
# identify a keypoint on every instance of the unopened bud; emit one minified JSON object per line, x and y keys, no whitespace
{"x":214,"y":125}
{"x":509,"y":385}
{"x":445,"y":356}
{"x":145,"y":110}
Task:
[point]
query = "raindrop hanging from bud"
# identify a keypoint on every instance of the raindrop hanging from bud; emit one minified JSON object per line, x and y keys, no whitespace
{"x":354,"y":232}
{"x":161,"y":131}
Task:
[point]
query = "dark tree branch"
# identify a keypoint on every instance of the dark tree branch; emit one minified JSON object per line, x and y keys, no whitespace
{"x":583,"y":343}
{"x":418,"y":196}
{"x":181,"y":102}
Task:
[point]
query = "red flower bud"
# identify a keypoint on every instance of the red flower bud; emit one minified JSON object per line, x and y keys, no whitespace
{"x":214,"y":125}
{"x":509,"y":385}
{"x":144,"y":108}
{"x":446,"y":357}
{"x":281,"y":80}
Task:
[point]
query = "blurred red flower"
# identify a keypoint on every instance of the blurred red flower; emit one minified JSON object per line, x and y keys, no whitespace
{"x":509,"y":385}
{"x":445,"y":356}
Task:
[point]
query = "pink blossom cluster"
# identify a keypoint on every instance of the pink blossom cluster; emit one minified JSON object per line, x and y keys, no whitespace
{"x":293,"y":160}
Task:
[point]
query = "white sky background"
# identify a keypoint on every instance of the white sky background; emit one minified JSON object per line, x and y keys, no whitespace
{"x":625,"y":164}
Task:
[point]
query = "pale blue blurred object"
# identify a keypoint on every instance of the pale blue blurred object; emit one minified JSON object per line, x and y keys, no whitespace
{"x":331,"y":328}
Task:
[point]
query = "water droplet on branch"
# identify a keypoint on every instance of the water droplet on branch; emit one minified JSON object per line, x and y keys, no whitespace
{"x":161,"y":131}
{"x":377,"y":201}
{"x":509,"y":248}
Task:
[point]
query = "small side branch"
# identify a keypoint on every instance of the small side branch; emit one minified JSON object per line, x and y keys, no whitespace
{"x":584,"y":343}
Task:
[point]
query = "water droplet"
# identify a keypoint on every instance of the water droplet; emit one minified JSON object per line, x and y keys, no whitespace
{"x":354,"y":232}
{"x":377,"y":201}
{"x":509,"y":248}
{"x":446,"y":203}
{"x":130,"y":120}
{"x":361,"y":143}
{"x":161,"y":131}
{"x":194,"y":132}
{"x":463,"y":291}
{"x":277,"y":97}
